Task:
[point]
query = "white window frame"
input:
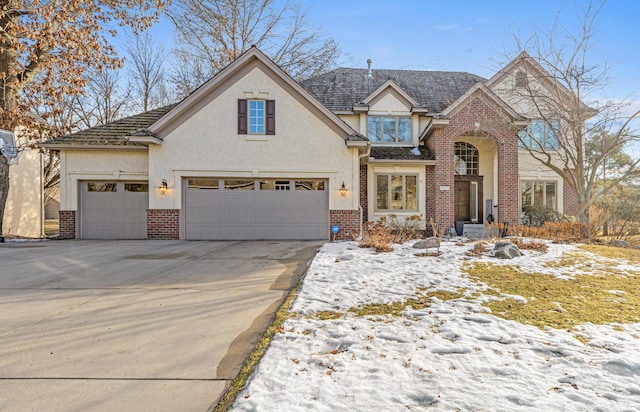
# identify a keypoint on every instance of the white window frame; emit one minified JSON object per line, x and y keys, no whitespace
{"x":549,"y":128}
{"x":397,"y":128}
{"x":251,"y":127}
{"x":404,"y":176}
{"x":532,"y":184}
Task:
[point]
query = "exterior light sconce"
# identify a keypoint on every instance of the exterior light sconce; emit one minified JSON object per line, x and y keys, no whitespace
{"x":343,"y":190}
{"x":163,"y":187}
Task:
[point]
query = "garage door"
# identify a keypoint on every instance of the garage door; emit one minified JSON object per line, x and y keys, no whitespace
{"x":237,"y":209}
{"x":113,"y":210}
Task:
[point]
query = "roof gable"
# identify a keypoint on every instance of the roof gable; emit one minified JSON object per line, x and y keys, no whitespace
{"x":480,"y":89}
{"x":247,"y":61}
{"x":389,"y":84}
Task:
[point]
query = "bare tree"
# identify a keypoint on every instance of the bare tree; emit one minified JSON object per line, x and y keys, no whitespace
{"x":212,"y":33}
{"x":105,"y":99}
{"x":557,"y":85}
{"x":48,"y":48}
{"x":146,"y":71}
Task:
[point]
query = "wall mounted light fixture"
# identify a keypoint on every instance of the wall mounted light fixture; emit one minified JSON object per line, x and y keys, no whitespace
{"x":163,"y":187}
{"x":343,"y":190}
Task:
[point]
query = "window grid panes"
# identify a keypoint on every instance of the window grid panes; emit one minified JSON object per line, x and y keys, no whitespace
{"x":396,"y":192}
{"x":540,"y":134}
{"x":465,"y":159}
{"x":389,"y":129}
{"x":256,"y":117}
{"x":538,"y":194}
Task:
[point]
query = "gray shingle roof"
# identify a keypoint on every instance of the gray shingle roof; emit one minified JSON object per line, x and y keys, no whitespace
{"x":117,"y":132}
{"x":341,"y":88}
{"x":400,"y":153}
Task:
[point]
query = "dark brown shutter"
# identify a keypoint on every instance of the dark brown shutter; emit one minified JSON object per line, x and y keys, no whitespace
{"x":242,"y":116}
{"x":271,"y":117}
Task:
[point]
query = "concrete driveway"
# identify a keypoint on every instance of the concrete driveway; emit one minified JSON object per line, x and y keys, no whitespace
{"x":134,"y":325}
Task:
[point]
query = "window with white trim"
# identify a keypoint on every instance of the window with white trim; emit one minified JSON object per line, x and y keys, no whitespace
{"x":540,"y":134}
{"x":396,"y":192}
{"x":256,"y":117}
{"x":538,"y":194}
{"x":389,"y":129}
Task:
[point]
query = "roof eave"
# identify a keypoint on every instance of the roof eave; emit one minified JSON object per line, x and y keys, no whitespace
{"x":145,"y":140}
{"x":88,"y":146}
{"x":433,"y":125}
{"x":404,"y":161}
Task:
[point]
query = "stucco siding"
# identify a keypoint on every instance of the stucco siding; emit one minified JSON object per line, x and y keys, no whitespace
{"x":77,"y":165}
{"x":208,"y":144}
{"x":23,"y":215}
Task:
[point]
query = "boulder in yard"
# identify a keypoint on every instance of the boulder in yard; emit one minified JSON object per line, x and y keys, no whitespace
{"x":507,"y":250}
{"x":621,"y":243}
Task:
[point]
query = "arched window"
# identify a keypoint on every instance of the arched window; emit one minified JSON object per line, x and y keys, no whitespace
{"x":465,"y":159}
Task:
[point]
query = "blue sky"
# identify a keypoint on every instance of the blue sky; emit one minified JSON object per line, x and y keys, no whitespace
{"x":472,"y":36}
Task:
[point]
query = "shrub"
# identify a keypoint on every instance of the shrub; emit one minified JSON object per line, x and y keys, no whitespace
{"x":539,"y":215}
{"x":390,"y":229}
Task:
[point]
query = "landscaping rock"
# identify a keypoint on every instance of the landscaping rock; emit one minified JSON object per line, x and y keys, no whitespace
{"x":428,"y":243}
{"x":621,"y":243}
{"x":507,"y":250}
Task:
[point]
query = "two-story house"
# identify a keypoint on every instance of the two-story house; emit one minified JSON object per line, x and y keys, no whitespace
{"x":253,"y":154}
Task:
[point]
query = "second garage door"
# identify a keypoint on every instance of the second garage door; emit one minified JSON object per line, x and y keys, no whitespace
{"x":114,"y":210}
{"x":242,"y":209}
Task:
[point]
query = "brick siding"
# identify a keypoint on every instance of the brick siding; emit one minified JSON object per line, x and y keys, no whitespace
{"x":364,"y":204}
{"x":67,"y":224}
{"x":349,"y":222}
{"x":571,"y":206}
{"x":429,"y":192}
{"x":442,"y":145}
{"x":163,"y":224}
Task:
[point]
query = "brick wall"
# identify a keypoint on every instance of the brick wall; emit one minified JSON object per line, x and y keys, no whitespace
{"x":430,"y":188}
{"x":570,"y":205}
{"x":477,"y":116}
{"x":364,"y":203}
{"x":163,"y":224}
{"x":349,"y":222}
{"x":67,"y":224}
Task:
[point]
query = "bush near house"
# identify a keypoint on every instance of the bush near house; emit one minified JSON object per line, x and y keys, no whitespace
{"x":390,"y":229}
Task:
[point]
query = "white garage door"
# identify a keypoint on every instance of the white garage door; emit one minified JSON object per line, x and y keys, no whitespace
{"x":242,"y":209}
{"x":113,"y":210}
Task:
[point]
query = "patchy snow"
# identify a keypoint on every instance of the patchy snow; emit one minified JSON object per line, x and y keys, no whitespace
{"x":451,"y":355}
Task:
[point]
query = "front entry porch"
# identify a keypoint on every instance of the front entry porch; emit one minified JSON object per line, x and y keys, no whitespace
{"x":468,"y":199}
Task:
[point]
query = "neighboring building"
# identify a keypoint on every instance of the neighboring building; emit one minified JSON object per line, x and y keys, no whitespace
{"x":24,"y":210}
{"x":253,"y":154}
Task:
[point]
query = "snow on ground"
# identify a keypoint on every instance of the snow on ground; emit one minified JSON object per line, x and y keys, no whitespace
{"x":452,"y":355}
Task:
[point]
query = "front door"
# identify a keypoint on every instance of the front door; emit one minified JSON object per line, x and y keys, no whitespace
{"x":468,"y":199}
{"x":462,"y":209}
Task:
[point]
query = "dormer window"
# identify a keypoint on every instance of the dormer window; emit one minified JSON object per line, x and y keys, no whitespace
{"x":389,"y":129}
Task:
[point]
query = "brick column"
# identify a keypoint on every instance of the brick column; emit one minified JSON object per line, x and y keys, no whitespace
{"x":67,"y":224}
{"x":163,"y":224}
{"x":430,"y":192}
{"x":570,"y":204}
{"x":364,"y":196}
{"x":349,"y":222}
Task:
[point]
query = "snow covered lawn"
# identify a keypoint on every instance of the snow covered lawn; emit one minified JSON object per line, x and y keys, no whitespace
{"x":340,"y":352}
